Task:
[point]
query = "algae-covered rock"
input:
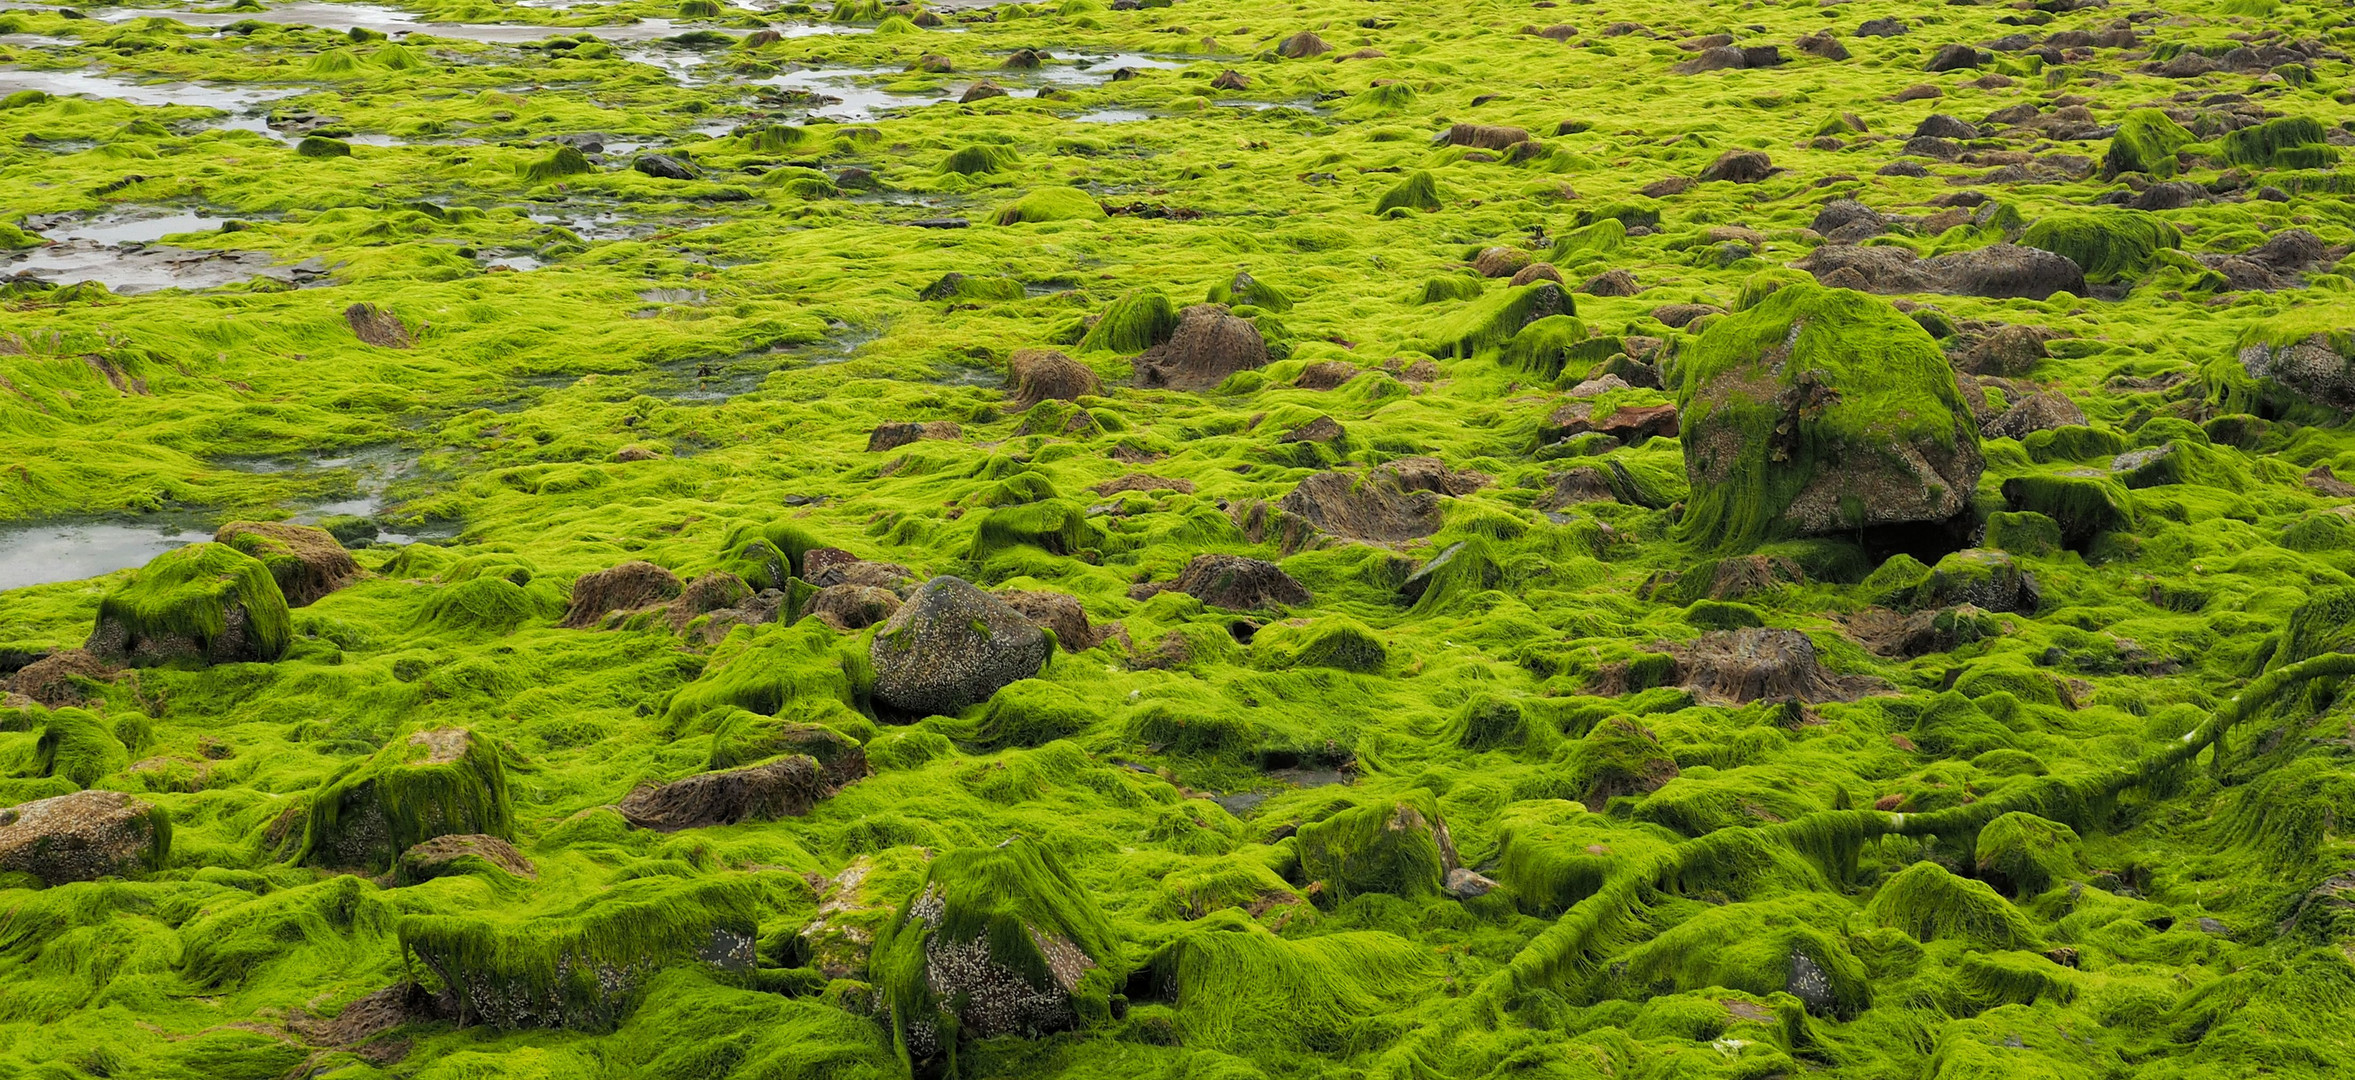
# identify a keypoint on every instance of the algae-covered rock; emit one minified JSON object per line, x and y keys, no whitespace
{"x":586,"y":967}
{"x":205,"y":602}
{"x":952,"y":645}
{"x":1822,"y":411}
{"x":1392,"y":502}
{"x":998,"y":941}
{"x":1398,"y":848}
{"x":1239,"y":584}
{"x":1059,"y":612}
{"x":1997,"y":270}
{"x":306,"y":562}
{"x":1985,"y":579}
{"x":1929,"y":903}
{"x":2025,"y":854}
{"x":83,"y":837}
{"x":437,"y":782}
{"x":787,"y":787}
{"x":857,"y":905}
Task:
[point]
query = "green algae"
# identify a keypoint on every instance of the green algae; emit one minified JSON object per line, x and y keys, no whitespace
{"x":2164,"y":601}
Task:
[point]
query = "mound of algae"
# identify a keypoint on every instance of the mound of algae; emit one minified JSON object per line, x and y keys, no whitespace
{"x":1471,"y":330}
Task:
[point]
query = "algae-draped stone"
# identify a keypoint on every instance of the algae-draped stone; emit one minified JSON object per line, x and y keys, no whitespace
{"x":82,"y":837}
{"x":2299,"y":365}
{"x":585,"y":968}
{"x":1401,"y":848}
{"x":998,"y":941}
{"x":1822,"y":411}
{"x":438,"y":782}
{"x":952,"y":645}
{"x":205,"y":602}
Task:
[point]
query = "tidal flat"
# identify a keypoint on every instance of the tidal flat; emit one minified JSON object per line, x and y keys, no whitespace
{"x":1177,"y":539}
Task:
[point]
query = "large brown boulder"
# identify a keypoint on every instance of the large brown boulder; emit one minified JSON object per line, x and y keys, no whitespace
{"x":1757,"y":664}
{"x":632,"y":586}
{"x":786,"y":787}
{"x":1046,"y":375}
{"x":1208,"y":345}
{"x":952,"y":645}
{"x":83,"y":837}
{"x":2001,"y":271}
{"x":306,"y":562}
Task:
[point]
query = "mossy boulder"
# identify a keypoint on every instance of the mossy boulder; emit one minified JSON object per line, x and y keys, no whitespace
{"x":210,"y":603}
{"x":2109,"y":245}
{"x":1984,"y":578}
{"x":952,"y":645}
{"x":2025,"y":855}
{"x":306,"y":562}
{"x":1400,"y":848}
{"x":2146,"y":142}
{"x":1822,"y":411}
{"x":1618,"y":756}
{"x":2083,"y":506}
{"x":1051,"y":204}
{"x":1340,"y":643}
{"x":1208,"y":344}
{"x":83,"y":837}
{"x":740,"y":737}
{"x":858,"y":905}
{"x":1931,"y":904}
{"x":437,"y":782}
{"x":584,"y":967}
{"x":998,"y":941}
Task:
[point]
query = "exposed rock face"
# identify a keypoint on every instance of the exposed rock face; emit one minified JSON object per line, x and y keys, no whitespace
{"x":1756,"y":664}
{"x":50,"y":680}
{"x":82,"y":837}
{"x":632,"y":586}
{"x":2036,"y":412}
{"x":1629,"y":424}
{"x":663,"y":167}
{"x":1059,"y":612}
{"x":1391,"y":502}
{"x":1822,"y":411}
{"x":1484,"y":137}
{"x":1739,"y":167}
{"x":853,"y":607}
{"x":377,"y":327}
{"x":446,"y":855}
{"x":2003,"y":271}
{"x":306,"y":562}
{"x":1240,"y":584}
{"x":952,"y":645}
{"x":1209,"y":345}
{"x":787,"y":787}
{"x":1046,"y":375}
{"x":899,"y":433}
{"x":2309,"y":370}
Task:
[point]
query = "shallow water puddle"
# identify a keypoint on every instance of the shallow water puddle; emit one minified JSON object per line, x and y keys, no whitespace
{"x":232,"y":99}
{"x":135,"y":225}
{"x":842,"y":94}
{"x":137,"y":268}
{"x":394,"y":22}
{"x":39,"y":554}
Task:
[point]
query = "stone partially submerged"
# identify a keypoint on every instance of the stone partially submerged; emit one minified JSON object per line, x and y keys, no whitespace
{"x":1822,"y":411}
